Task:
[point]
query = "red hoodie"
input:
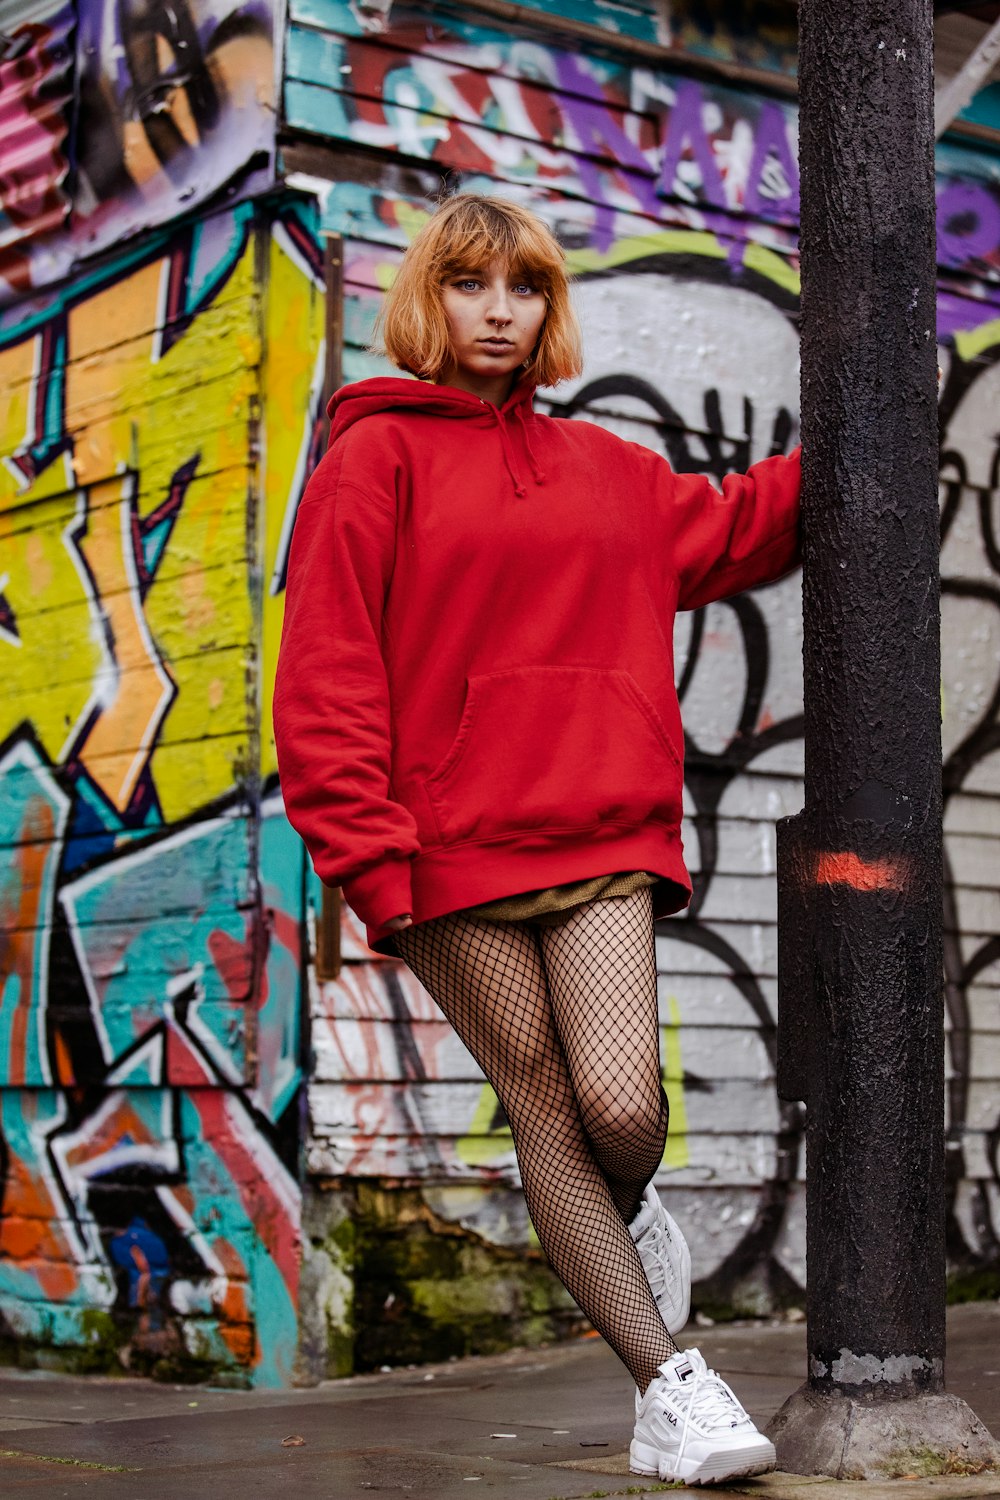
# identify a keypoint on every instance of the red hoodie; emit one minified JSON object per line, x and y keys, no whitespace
{"x":475,"y":689}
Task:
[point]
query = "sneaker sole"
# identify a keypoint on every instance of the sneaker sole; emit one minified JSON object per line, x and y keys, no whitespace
{"x":731,"y":1463}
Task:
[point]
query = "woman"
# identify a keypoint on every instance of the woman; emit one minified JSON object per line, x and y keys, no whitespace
{"x":479,"y":739}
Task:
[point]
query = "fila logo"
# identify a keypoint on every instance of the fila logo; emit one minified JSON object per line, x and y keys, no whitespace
{"x":684,"y":1372}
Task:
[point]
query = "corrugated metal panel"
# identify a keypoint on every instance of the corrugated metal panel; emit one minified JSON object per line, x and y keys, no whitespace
{"x":17,"y":13}
{"x":36,"y":91}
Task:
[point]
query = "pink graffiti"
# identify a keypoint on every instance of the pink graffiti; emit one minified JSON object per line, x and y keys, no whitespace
{"x":32,"y":128}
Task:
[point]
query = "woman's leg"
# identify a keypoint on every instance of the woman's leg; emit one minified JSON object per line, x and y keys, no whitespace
{"x":489,"y":980}
{"x":601,"y":972}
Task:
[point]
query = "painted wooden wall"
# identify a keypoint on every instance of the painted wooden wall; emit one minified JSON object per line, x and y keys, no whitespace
{"x":158,"y":419}
{"x":677,"y":199}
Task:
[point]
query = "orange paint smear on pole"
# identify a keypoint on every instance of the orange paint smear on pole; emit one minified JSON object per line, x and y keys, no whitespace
{"x":863,"y":875}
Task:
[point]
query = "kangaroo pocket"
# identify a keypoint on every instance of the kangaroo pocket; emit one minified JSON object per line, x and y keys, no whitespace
{"x":554,"y":747}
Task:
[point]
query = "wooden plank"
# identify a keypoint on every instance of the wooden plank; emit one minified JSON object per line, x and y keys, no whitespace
{"x":717,"y":1160}
{"x":450,"y":1111}
{"x":397,"y":1051}
{"x":616,"y":18}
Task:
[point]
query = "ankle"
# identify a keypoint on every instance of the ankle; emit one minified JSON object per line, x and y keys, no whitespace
{"x":659,"y":1357}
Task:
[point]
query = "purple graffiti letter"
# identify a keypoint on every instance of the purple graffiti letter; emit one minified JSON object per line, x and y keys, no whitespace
{"x":771,"y":140}
{"x":685,"y":129}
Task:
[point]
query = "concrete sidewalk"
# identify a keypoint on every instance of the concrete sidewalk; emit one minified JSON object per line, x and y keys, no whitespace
{"x":546,"y":1424}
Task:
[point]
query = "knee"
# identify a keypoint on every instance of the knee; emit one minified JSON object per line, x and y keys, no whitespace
{"x":530,"y":1079}
{"x":529,"y":1061}
{"x":623,"y":1121}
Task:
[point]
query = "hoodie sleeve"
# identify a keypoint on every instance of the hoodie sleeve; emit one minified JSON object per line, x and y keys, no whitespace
{"x":331,"y":699}
{"x":736,"y":539}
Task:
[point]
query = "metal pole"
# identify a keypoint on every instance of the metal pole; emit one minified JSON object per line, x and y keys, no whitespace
{"x":861,"y":1025}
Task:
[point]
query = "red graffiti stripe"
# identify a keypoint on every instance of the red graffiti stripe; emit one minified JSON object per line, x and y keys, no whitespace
{"x":258,"y":1179}
{"x":268,"y":1195}
{"x":863,"y":874}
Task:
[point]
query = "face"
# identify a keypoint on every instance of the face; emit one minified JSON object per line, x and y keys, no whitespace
{"x":494,"y":319}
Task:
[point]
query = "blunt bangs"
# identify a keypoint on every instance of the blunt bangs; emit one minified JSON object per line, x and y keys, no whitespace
{"x":468,"y":233}
{"x":488,"y":234}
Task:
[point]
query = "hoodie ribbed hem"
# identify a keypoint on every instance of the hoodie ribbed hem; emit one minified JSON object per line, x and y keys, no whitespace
{"x":381,"y":893}
{"x":447,"y":880}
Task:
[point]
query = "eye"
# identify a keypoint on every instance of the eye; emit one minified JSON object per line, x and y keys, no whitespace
{"x":524,"y":289}
{"x":467,"y":283}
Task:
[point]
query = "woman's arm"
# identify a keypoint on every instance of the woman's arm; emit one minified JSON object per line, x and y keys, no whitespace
{"x":740,"y":537}
{"x":331,"y":699}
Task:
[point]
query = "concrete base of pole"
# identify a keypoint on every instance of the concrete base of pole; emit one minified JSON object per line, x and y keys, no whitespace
{"x":850,"y":1437}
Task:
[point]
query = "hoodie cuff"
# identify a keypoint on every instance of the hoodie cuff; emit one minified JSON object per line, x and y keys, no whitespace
{"x":381,"y":893}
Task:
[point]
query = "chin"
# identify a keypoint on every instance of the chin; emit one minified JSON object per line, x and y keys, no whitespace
{"x":496,"y":365}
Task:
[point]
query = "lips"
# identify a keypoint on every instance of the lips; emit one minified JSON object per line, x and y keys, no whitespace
{"x":496,"y":346}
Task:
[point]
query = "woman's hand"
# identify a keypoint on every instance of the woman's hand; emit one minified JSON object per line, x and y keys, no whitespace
{"x":396,"y":924}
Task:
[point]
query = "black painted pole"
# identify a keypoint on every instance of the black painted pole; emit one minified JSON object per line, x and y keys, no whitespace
{"x":872,"y":676}
{"x":861,"y":1024}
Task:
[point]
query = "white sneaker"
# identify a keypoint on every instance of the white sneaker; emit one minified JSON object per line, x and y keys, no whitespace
{"x":690,"y":1426}
{"x":665,"y":1258}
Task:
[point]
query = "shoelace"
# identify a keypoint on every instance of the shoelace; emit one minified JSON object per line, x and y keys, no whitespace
{"x":710,"y":1402}
{"x":663,"y":1273}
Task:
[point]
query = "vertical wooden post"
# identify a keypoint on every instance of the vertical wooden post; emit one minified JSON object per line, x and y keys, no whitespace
{"x":328,"y":916}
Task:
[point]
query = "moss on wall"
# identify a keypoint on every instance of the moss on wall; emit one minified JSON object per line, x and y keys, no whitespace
{"x":420,"y":1289}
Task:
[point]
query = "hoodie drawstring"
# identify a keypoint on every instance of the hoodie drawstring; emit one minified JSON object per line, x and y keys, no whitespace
{"x":508,"y":451}
{"x":536,"y":472}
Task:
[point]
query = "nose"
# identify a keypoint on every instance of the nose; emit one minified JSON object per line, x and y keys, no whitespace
{"x":499,"y":312}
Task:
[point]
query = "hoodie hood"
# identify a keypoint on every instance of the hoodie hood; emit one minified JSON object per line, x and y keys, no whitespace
{"x":512,"y":420}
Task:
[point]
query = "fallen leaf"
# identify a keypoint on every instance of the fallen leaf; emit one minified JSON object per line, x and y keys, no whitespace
{"x":593,"y":1445}
{"x":293,"y":1442}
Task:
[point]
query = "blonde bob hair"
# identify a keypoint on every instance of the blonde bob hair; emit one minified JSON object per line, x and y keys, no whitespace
{"x":468,"y":233}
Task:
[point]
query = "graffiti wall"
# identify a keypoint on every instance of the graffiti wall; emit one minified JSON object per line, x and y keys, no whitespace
{"x":195,"y":1130}
{"x":677,"y":202}
{"x":119,"y":115}
{"x":151,"y":889}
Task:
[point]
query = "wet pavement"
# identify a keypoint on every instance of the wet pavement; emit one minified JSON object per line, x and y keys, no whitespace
{"x":541,"y":1424}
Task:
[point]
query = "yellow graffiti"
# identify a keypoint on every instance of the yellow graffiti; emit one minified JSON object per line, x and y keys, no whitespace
{"x":293,"y":331}
{"x":111,"y":339}
{"x":135,"y":690}
{"x":972,"y":342}
{"x":485,"y":1143}
{"x":657,"y":242}
{"x":50,"y":664}
{"x":17,"y":385}
{"x":700,"y":242}
{"x":676,"y":1153}
{"x":130,"y":673}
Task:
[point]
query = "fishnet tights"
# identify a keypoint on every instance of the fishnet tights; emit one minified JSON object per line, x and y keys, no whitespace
{"x":562,"y":1020}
